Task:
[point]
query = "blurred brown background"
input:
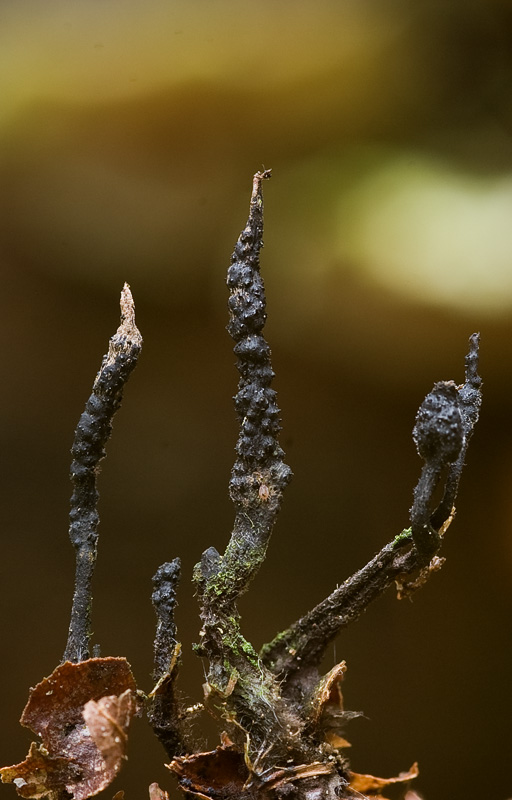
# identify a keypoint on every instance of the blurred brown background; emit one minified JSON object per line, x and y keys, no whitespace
{"x":129,"y":134}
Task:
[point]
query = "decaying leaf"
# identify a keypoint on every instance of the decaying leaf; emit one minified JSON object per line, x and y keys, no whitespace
{"x":40,"y":774}
{"x":326,"y":708}
{"x":328,"y":692}
{"x":223,"y":772}
{"x":108,"y":720}
{"x":169,"y":676}
{"x":81,"y":712}
{"x":406,"y":589}
{"x":338,"y":742}
{"x":206,"y":774}
{"x":369,"y":783}
{"x":156,"y":793}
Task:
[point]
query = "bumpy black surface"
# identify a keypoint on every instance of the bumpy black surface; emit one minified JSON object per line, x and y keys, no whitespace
{"x":443,"y":428}
{"x":257,"y":447}
{"x":91,"y":435}
{"x":438,"y":433}
{"x":165,"y":581}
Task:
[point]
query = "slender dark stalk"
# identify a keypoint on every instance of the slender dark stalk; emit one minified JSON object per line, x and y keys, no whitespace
{"x":237,"y":681}
{"x":303,"y":645}
{"x":164,"y":711}
{"x":165,"y":582}
{"x":259,"y":473}
{"x":91,"y":436}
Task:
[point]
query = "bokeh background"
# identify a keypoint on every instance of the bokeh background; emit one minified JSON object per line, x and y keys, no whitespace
{"x":129,"y":132}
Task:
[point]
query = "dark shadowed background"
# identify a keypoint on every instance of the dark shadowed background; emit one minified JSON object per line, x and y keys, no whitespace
{"x":129,"y":133}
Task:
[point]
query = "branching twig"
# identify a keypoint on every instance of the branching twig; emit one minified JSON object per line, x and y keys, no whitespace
{"x":91,"y":436}
{"x":443,"y":427}
{"x":302,"y":646}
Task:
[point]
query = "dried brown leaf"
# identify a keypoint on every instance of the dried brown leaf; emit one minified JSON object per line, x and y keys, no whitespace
{"x":336,"y":741}
{"x":40,"y":774}
{"x":205,"y":774}
{"x":156,"y":793}
{"x":326,"y":714}
{"x":328,"y":692}
{"x":73,"y":758}
{"x":408,"y":588}
{"x":166,"y":681}
{"x":108,"y":720}
{"x":369,"y":783}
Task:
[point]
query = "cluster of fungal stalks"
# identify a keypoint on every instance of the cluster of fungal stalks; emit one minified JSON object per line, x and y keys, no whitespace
{"x":281,"y":723}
